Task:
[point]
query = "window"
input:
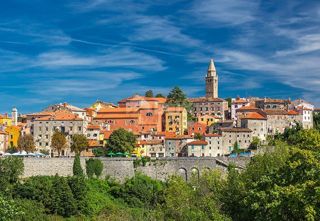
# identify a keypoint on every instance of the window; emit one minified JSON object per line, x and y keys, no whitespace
{"x":149,"y":114}
{"x":79,"y":128}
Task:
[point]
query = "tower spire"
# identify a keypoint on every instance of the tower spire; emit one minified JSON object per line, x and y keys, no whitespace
{"x":211,"y":69}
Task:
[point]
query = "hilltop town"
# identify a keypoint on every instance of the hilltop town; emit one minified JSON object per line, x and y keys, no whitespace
{"x":172,"y":126}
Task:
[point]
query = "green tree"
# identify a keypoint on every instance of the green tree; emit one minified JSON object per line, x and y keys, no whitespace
{"x":58,"y":141}
{"x":80,"y":194}
{"x":77,"y":170}
{"x":94,"y":167}
{"x":236,"y":148}
{"x":308,"y":139}
{"x":160,"y":95}
{"x":255,"y":143}
{"x":26,"y":143}
{"x":177,"y":97}
{"x":316,"y":120}
{"x":121,"y":140}
{"x":63,"y":202}
{"x":10,"y":170}
{"x":229,"y":100}
{"x":149,"y":93}
{"x":79,"y":143}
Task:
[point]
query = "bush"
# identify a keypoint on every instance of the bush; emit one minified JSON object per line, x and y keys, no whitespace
{"x":9,"y":210}
{"x":94,"y":167}
{"x":10,"y":170}
{"x":140,"y":191}
{"x":77,"y":169}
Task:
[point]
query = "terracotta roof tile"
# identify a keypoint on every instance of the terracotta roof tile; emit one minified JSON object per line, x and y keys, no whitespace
{"x":198,"y":142}
{"x":254,"y":116}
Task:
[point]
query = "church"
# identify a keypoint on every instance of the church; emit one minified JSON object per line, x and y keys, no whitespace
{"x":210,"y":105}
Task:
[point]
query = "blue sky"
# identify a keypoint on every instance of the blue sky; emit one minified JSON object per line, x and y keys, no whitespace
{"x":80,"y":51}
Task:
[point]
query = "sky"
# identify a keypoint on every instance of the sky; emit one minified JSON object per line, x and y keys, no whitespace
{"x":54,"y":51}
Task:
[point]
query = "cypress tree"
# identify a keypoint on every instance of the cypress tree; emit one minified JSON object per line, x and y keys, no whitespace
{"x":77,"y":170}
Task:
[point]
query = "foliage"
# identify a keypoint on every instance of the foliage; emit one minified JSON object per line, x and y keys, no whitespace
{"x":255,"y":143}
{"x":94,"y":167}
{"x":58,"y":141}
{"x":62,"y":199}
{"x":308,"y":139}
{"x":160,"y":95}
{"x":79,"y":143}
{"x":77,"y":169}
{"x":316,"y":121}
{"x":10,"y":170}
{"x":140,"y":191}
{"x":32,"y":210}
{"x":177,"y":97}
{"x":198,"y":136}
{"x":121,"y":140}
{"x":9,"y":210}
{"x":99,"y":152}
{"x":149,"y":93}
{"x":26,"y":143}
{"x":141,"y":161}
{"x":229,"y":100}
{"x":80,"y":194}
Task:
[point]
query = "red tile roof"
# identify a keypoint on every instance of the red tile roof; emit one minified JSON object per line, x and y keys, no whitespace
{"x":293,"y":112}
{"x":198,"y":142}
{"x":254,"y":116}
{"x":93,"y":127}
{"x":60,"y":115}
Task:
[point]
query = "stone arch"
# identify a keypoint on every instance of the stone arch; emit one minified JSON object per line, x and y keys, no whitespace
{"x":195,"y":173}
{"x":183,"y":173}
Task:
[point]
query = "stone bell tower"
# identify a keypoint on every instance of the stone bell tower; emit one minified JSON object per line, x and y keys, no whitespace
{"x":211,"y":81}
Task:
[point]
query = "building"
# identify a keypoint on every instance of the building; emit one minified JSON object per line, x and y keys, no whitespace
{"x":214,"y":146}
{"x":230,"y":136}
{"x":13,"y":133}
{"x":153,"y":148}
{"x":197,"y":148}
{"x":214,"y":128}
{"x":272,"y":104}
{"x":176,"y":119}
{"x":279,"y":120}
{"x":236,"y":104}
{"x":5,"y":120}
{"x":176,"y":145}
{"x":208,"y":119}
{"x":211,"y":81}
{"x":210,"y":104}
{"x":67,"y":107}
{"x":196,"y":128}
{"x":3,"y":142}
{"x":43,"y":127}
{"x":256,"y":122}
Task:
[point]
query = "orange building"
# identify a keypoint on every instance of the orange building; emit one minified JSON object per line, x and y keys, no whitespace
{"x":136,"y":114}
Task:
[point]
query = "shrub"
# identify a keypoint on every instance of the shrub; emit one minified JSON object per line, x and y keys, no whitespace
{"x":94,"y":167}
{"x":77,"y":169}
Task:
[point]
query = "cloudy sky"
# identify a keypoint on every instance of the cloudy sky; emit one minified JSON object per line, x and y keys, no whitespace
{"x":80,"y":51}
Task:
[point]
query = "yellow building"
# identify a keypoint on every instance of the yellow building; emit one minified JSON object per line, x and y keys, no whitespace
{"x":14,"y":134}
{"x":208,"y":119}
{"x":140,"y":150}
{"x":176,"y":119}
{"x":5,"y":120}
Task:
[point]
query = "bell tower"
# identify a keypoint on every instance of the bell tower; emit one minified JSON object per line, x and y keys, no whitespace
{"x":211,"y":81}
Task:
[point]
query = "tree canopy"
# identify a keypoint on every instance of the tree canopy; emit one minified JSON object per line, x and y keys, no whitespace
{"x":58,"y":141}
{"x":79,"y":143}
{"x":149,"y":93}
{"x":26,"y":143}
{"x":121,"y":140}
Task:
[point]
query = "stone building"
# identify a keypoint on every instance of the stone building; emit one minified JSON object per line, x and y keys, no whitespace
{"x":153,"y":148}
{"x":175,"y":145}
{"x":273,"y":104}
{"x":197,"y":148}
{"x":243,"y":136}
{"x":236,"y":104}
{"x":210,"y":104}
{"x":42,"y":128}
{"x":214,"y":146}
{"x":211,"y":81}
{"x":279,"y":120}
{"x":175,"y":120}
{"x":67,"y":107}
{"x":257,"y":123}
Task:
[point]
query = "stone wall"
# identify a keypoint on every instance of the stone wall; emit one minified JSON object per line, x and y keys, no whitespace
{"x":122,"y":168}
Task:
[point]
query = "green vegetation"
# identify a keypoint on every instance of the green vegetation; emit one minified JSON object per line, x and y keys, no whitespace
{"x":149,"y":93}
{"x":79,"y":143}
{"x":94,"y":167}
{"x":77,"y":169}
{"x":280,"y":184}
{"x":26,"y":143}
{"x":121,"y":140}
{"x":58,"y":141}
